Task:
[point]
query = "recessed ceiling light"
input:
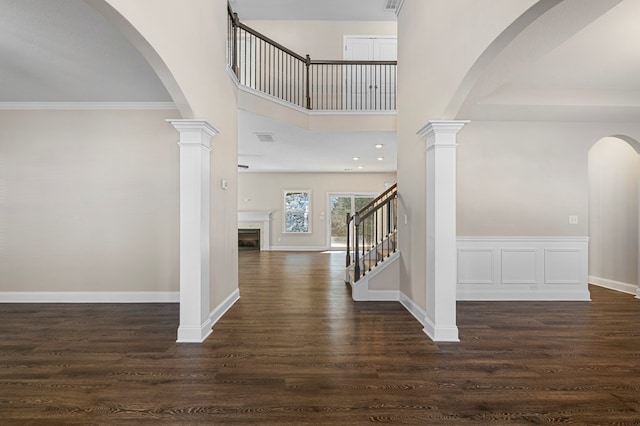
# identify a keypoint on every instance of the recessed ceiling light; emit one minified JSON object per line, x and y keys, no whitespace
{"x":379,"y":145}
{"x":361,"y":167}
{"x":380,"y":158}
{"x":356,"y":158}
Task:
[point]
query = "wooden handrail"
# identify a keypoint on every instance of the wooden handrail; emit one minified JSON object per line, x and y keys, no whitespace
{"x":351,"y":62}
{"x":270,"y":41}
{"x":378,"y":198}
{"x":263,"y":64}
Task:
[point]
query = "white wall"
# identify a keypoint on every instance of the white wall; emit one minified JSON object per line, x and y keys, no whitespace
{"x":265,"y":192}
{"x":89,"y":201}
{"x":320,"y":39}
{"x":194,"y":53}
{"x":613,"y":213}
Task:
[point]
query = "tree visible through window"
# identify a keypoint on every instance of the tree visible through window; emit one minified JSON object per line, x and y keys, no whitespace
{"x":297,"y":211}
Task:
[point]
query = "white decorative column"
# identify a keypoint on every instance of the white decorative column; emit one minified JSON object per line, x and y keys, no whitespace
{"x":195,"y":158}
{"x":441,"y":262}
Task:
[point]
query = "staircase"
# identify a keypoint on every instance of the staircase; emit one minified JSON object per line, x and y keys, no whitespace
{"x":372,"y":245}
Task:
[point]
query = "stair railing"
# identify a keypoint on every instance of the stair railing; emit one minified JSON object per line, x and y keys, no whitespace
{"x":374,"y":233}
{"x":262,"y":64}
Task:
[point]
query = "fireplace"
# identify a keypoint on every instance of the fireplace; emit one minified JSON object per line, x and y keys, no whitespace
{"x":248,"y":239}
{"x":256,"y":221}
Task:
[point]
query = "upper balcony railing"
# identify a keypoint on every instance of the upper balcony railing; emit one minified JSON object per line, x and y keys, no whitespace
{"x":266,"y":66}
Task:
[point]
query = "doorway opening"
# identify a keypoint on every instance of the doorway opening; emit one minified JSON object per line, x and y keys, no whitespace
{"x":339,"y":205}
{"x":614,"y":173}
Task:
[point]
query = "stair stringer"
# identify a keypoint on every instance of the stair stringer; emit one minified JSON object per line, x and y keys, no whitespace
{"x":367,"y":288}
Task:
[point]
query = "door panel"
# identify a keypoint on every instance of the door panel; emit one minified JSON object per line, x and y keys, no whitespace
{"x":369,"y":87}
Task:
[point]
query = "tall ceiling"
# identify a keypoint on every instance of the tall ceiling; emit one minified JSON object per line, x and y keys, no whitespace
{"x":322,"y":10}
{"x":64,"y":51}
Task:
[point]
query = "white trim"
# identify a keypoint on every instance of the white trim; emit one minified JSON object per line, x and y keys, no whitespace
{"x":383,"y":296}
{"x":88,"y":106}
{"x":90,"y":297}
{"x":298,"y":248}
{"x":360,"y":291}
{"x":415,"y":310}
{"x":223,"y":307}
{"x":439,"y":333}
{"x":554,"y":268}
{"x":614,"y":285}
{"x":528,"y":239}
{"x":399,"y":8}
{"x":508,"y":295}
{"x":191,"y":334}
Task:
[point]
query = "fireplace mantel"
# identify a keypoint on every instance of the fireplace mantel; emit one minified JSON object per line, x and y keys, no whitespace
{"x":258,"y":216}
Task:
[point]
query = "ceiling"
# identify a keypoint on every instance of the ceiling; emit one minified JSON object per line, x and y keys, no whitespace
{"x":298,"y":150}
{"x":64,"y":51}
{"x":321,"y":10}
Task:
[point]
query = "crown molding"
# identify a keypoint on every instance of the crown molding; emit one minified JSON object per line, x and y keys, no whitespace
{"x":87,"y":106}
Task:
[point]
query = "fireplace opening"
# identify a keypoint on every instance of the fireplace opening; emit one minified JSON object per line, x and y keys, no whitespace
{"x":248,"y":239}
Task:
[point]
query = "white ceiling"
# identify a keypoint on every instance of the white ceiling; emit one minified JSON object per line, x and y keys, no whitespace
{"x":592,"y":75}
{"x":298,"y":150}
{"x":64,"y":51}
{"x":322,"y":10}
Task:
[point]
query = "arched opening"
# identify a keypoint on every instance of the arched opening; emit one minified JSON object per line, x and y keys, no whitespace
{"x":614,"y":171}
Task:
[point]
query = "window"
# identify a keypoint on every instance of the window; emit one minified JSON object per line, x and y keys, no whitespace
{"x":297,"y":211}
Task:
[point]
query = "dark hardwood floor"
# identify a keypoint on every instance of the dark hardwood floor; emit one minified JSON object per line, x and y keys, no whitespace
{"x":296,"y":350}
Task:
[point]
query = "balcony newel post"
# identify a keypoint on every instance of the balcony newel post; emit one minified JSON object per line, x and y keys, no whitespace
{"x":348,"y":242}
{"x":308,"y":81}
{"x":235,"y":24}
{"x":356,"y":260}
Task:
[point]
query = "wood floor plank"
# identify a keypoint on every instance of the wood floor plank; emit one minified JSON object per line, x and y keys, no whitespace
{"x":296,"y":350}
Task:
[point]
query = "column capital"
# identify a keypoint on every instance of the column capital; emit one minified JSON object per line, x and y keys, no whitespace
{"x":194,"y":132}
{"x":441,"y":127}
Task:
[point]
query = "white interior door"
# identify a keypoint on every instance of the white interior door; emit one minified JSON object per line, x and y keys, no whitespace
{"x":369,"y":87}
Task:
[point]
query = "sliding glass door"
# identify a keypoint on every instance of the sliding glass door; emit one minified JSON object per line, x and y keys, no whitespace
{"x":339,"y":206}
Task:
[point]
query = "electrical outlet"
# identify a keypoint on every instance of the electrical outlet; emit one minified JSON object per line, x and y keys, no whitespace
{"x":573,"y":220}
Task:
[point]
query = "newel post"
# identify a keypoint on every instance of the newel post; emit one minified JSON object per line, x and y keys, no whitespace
{"x":195,"y":194}
{"x":441,"y":261}
{"x":307,"y":65}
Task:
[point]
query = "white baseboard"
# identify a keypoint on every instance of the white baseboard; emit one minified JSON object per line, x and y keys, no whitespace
{"x":614,"y":285}
{"x":439,"y":333}
{"x":223,"y":307}
{"x":194,"y":334}
{"x":383,"y":296}
{"x":200,"y":334}
{"x":415,"y":310}
{"x":90,"y":297}
{"x":297,"y":248}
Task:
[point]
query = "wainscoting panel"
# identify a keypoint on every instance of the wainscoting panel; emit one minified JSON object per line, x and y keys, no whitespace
{"x":523,"y":268}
